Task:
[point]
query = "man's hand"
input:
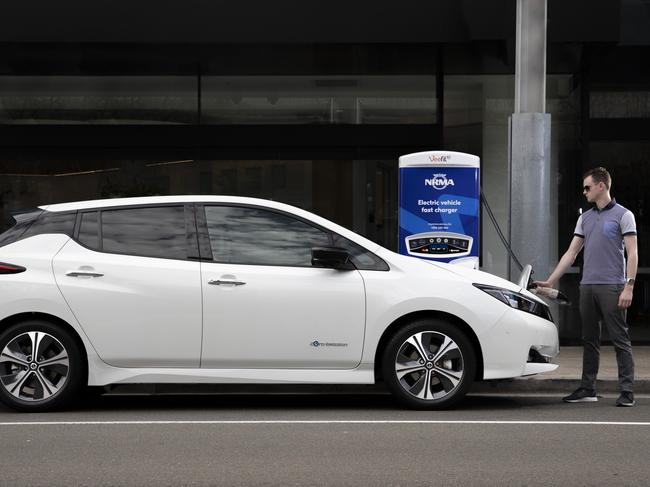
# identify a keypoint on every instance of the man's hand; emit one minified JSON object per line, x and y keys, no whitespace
{"x":625,"y":299}
{"x":543,"y":283}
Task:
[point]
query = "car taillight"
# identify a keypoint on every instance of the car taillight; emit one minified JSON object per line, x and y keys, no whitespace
{"x":10,"y":268}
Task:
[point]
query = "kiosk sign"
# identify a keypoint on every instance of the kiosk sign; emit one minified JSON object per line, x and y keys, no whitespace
{"x":439,"y":194}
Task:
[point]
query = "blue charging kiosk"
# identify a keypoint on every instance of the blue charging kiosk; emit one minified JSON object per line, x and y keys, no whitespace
{"x":439,"y":197}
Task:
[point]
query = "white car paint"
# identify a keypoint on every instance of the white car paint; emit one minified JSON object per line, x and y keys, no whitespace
{"x":142,"y":312}
{"x":275,"y":318}
{"x":130,"y":328}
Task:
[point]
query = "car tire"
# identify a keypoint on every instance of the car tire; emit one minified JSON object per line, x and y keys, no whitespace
{"x":46,"y":380}
{"x":429,"y":364}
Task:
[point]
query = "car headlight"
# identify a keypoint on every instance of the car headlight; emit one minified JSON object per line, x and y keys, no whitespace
{"x":517,"y":301}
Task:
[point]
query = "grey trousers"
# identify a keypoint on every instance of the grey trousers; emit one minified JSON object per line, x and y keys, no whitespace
{"x":599,"y":303}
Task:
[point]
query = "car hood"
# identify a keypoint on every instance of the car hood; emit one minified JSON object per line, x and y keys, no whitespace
{"x":480,"y":277}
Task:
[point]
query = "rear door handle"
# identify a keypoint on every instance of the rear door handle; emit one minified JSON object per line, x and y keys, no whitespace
{"x":219,"y":282}
{"x":83,"y":274}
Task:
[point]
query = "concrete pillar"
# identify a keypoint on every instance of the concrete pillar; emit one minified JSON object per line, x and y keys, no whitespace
{"x":533,"y":227}
{"x":532,"y":222}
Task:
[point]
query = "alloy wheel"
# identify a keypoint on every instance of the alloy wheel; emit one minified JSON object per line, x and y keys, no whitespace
{"x":34,"y":366}
{"x":429,"y":365}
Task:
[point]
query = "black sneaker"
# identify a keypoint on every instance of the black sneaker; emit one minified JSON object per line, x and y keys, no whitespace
{"x":626,"y":399}
{"x":581,"y":395}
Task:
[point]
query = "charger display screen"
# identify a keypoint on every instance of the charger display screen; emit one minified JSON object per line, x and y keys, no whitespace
{"x":438,"y":246}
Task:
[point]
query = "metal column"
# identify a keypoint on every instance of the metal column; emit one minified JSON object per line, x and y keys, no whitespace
{"x":533,"y":210}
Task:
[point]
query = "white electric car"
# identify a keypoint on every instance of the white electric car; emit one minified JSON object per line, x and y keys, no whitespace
{"x":212,"y":289}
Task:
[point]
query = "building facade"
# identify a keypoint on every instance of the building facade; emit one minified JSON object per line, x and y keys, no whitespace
{"x":311,"y":103}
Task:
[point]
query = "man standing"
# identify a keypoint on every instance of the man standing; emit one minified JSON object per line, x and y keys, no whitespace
{"x":606,"y":232}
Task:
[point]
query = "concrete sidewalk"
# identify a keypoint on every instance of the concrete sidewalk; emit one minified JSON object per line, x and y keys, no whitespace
{"x":566,"y":378}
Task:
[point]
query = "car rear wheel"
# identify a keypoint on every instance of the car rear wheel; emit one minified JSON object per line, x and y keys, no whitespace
{"x":429,"y":364}
{"x":40,"y":367}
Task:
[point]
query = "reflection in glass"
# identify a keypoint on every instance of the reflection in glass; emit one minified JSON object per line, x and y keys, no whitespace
{"x":98,"y":99}
{"x":318,"y":100}
{"x":260,"y":237}
{"x":150,"y":232}
{"x":360,"y":257}
{"x":89,"y":230}
{"x":619,"y":104}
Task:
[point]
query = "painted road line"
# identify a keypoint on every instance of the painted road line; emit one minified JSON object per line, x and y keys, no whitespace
{"x":323,"y":422}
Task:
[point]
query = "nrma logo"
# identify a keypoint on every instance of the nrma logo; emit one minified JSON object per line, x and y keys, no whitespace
{"x":439,"y":181}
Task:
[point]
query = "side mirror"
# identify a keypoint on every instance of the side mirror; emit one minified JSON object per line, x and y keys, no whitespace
{"x":331,"y":258}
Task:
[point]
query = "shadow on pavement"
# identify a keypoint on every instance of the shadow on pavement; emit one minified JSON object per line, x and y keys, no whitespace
{"x":301,"y":402}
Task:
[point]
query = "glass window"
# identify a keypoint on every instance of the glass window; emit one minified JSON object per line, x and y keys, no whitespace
{"x":396,"y":99}
{"x":89,"y":230}
{"x":260,"y":237}
{"x":18,"y":227}
{"x":360,"y":195}
{"x":362,"y":259}
{"x":150,"y":232}
{"x":52,"y":222}
{"x":98,"y":99}
{"x":619,"y":104}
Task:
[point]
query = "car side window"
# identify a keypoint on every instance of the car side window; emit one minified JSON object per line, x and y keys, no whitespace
{"x":52,"y":222}
{"x":242,"y":235}
{"x":89,"y":229}
{"x":148,"y":232}
{"x":362,"y":258}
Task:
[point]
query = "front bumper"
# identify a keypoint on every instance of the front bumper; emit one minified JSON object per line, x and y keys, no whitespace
{"x":507,"y":346}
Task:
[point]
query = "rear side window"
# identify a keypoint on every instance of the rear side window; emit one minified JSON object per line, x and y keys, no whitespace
{"x":18,"y":227}
{"x":39,"y":222}
{"x":52,"y":222}
{"x":149,"y":232}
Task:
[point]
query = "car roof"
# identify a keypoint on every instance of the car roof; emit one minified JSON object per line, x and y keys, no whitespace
{"x":153,"y":200}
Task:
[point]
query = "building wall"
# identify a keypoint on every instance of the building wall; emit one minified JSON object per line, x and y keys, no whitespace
{"x":312,"y":103}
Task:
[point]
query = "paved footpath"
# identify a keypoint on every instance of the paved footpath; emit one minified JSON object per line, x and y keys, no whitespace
{"x":566,"y":377}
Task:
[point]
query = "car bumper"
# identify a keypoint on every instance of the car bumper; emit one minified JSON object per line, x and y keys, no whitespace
{"x":519,"y":344}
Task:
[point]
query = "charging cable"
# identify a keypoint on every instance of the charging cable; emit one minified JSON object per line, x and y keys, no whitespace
{"x":499,"y":232}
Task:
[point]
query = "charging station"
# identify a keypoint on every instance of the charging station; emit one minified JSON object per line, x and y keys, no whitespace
{"x":439,"y":205}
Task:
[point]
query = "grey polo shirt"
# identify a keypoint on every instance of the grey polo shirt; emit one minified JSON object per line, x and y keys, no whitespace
{"x":603,"y":231}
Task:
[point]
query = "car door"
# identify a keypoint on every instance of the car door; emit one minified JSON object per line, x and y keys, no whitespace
{"x":264,"y":304}
{"x":128,"y":278}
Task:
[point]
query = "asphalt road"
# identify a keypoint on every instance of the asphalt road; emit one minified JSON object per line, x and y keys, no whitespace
{"x":352,"y":440}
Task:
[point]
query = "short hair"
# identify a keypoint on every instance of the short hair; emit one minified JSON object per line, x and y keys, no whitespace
{"x":599,"y":175}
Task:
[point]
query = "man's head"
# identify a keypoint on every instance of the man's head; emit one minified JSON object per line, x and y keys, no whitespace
{"x":596,"y":183}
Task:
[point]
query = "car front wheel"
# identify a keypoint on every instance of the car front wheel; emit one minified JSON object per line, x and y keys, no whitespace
{"x":429,"y":364}
{"x":40,"y":367}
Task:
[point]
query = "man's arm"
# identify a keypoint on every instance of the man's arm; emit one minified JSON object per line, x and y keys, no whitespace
{"x":566,"y":261}
{"x":625,"y":299}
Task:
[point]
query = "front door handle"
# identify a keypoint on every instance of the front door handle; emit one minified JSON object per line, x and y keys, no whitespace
{"x":219,"y":282}
{"x":83,"y":274}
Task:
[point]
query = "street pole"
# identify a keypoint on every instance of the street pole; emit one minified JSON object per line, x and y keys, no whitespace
{"x":533,"y":210}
